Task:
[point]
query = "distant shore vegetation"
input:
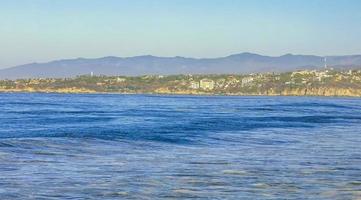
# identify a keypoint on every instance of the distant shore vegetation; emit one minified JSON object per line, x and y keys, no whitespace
{"x":327,"y":82}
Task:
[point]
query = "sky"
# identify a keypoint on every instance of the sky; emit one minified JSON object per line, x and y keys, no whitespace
{"x":45,"y":30}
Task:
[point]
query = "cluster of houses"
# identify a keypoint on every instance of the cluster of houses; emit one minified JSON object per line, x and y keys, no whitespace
{"x":301,"y":77}
{"x":205,"y":84}
{"x":209,"y":84}
{"x":308,"y":76}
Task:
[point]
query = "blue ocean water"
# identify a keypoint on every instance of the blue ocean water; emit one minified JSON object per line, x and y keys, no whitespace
{"x":72,"y":146}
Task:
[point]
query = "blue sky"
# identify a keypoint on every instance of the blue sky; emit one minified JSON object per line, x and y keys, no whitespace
{"x":43,"y":30}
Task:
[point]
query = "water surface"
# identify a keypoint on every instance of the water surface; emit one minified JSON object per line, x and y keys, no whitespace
{"x":59,"y":146}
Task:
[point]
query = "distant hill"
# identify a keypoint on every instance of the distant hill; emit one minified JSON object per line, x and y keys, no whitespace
{"x":142,"y":65}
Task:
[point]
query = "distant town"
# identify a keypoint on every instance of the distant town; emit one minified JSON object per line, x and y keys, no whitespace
{"x":326,"y":82}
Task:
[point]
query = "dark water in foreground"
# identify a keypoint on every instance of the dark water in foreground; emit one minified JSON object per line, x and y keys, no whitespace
{"x":56,"y":146}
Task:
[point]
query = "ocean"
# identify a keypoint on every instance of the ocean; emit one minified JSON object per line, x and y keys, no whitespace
{"x":109,"y":146}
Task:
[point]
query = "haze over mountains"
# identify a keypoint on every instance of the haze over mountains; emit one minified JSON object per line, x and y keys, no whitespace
{"x":243,"y":63}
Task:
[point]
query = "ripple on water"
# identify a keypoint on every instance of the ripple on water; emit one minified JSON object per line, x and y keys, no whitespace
{"x":235,"y":172}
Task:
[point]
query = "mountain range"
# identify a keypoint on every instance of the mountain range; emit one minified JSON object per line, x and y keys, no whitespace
{"x":243,"y":63}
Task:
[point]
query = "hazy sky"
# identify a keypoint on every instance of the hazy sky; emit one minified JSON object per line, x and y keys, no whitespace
{"x":43,"y":30}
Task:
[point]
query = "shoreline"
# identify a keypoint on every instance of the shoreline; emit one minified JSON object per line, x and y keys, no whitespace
{"x":176,"y":94}
{"x":324,"y":83}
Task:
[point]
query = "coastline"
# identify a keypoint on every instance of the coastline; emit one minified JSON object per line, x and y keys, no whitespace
{"x":328,"y":83}
{"x":282,"y":94}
